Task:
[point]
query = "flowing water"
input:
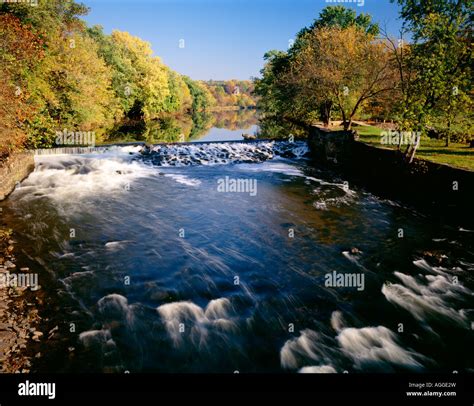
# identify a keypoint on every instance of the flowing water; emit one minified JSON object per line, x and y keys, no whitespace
{"x":216,"y":258}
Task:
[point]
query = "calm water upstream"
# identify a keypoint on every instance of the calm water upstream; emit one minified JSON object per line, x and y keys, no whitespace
{"x":161,"y":269}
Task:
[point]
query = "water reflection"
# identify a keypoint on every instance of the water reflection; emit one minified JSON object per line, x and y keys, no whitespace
{"x":202,"y":126}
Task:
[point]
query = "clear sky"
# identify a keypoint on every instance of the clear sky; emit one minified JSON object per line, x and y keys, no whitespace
{"x":223,"y":39}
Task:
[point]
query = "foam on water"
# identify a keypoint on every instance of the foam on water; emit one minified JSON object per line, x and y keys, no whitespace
{"x":199,"y":323}
{"x":307,"y":348}
{"x":70,"y":178}
{"x":115,"y":307}
{"x":218,"y":309}
{"x":468,"y":265}
{"x":102,"y":343}
{"x":116,"y":245}
{"x":367,"y":348}
{"x":337,"y":321}
{"x":94,"y":337}
{"x":222,"y":153}
{"x":428,"y":298}
{"x":117,"y":321}
{"x":422,"y":264}
{"x":275,"y":167}
{"x":284,"y":168}
{"x":74,"y":178}
{"x":354,"y":258}
{"x":376,"y":345}
{"x":183,"y":179}
{"x":322,"y":369}
{"x":323,"y":203}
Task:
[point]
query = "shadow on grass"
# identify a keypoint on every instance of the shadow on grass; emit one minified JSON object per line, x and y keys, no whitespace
{"x":445,"y":151}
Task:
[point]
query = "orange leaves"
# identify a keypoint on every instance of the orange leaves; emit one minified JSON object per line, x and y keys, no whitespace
{"x":17,"y":41}
{"x":20,"y":49}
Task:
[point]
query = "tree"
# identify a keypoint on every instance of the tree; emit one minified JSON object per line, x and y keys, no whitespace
{"x":346,"y":65}
{"x":179,"y":98}
{"x":59,"y":74}
{"x":341,"y":17}
{"x":20,"y":52}
{"x":294,"y":87}
{"x":232,"y":93}
{"x":68,"y":87}
{"x":441,"y":61}
{"x":277,"y":96}
{"x":202,"y":97}
{"x":146,"y":79}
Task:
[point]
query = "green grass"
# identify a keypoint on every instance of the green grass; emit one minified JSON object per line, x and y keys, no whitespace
{"x":459,"y":155}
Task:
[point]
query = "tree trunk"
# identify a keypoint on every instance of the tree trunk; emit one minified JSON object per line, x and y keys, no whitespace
{"x":348,"y":124}
{"x":325,"y":113}
{"x":448,"y":135}
{"x":413,"y":150}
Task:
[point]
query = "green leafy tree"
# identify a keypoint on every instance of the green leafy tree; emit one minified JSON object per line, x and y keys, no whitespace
{"x":179,"y":98}
{"x":440,"y":60}
{"x":333,"y":64}
{"x":202,"y":97}
{"x":341,"y":17}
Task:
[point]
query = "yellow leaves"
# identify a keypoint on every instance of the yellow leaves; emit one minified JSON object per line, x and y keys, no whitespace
{"x":344,"y":66}
{"x":131,"y":43}
{"x":145,"y":71}
{"x":86,"y":80}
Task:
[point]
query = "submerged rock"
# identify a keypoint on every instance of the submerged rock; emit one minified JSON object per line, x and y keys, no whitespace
{"x":9,"y":264}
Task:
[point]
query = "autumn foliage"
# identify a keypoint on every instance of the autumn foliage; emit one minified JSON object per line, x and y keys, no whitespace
{"x":20,"y":50}
{"x":58,"y":74}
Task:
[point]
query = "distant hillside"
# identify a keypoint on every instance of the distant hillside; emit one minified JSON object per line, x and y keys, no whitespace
{"x":232,"y":93}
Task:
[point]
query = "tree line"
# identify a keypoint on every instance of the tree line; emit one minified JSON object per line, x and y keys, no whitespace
{"x":345,"y":66}
{"x":232,"y":93}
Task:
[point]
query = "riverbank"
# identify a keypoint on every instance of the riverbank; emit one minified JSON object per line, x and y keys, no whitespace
{"x":18,"y":305}
{"x":426,"y":184}
{"x":459,"y":155}
{"x":19,"y":314}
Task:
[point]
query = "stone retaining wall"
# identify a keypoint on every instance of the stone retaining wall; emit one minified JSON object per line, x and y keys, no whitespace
{"x":428,"y":185}
{"x":16,"y":168}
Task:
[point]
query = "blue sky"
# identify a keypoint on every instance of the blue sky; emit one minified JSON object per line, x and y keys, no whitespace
{"x":223,"y":39}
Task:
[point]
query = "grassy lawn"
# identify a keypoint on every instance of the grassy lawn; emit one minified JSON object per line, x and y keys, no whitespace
{"x":459,"y":155}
